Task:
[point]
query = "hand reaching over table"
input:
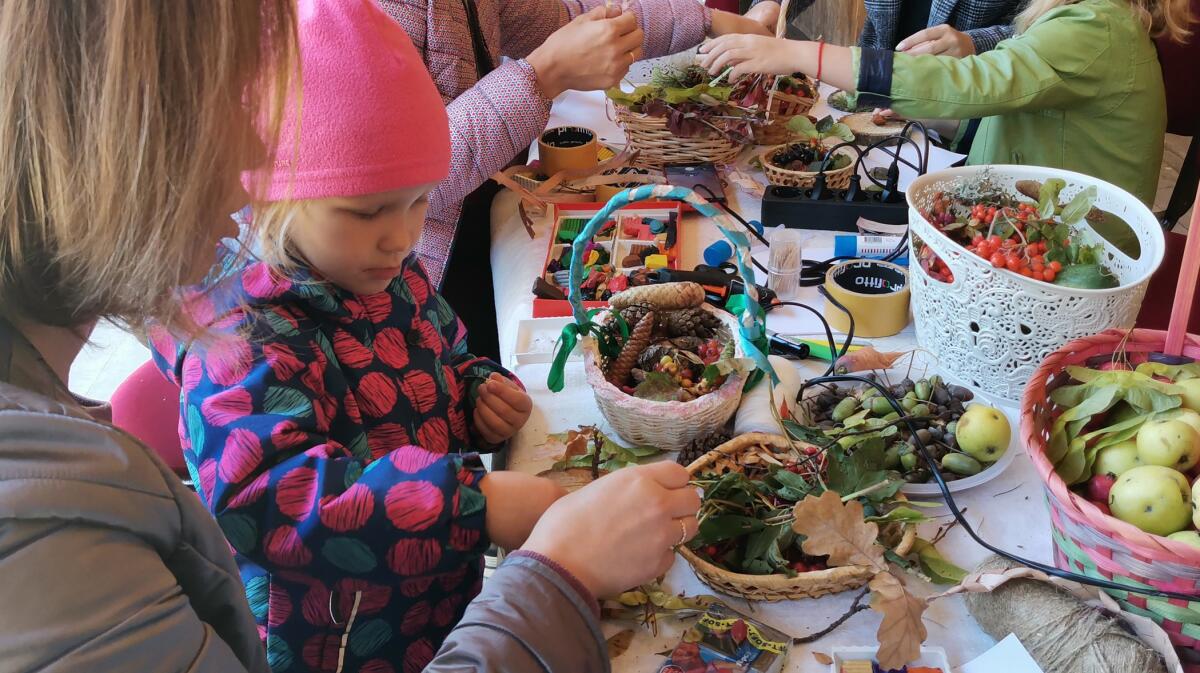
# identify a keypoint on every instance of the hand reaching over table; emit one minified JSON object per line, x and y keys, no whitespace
{"x":941,"y":40}
{"x":592,"y":52}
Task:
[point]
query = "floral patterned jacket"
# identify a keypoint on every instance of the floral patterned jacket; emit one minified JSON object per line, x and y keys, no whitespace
{"x":495,"y":118}
{"x":326,"y":433}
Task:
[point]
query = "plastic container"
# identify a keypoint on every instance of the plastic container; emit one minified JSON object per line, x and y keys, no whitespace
{"x":785,"y":262}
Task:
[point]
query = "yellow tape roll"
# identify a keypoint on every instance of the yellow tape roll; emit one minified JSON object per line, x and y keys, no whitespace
{"x":875,"y":293}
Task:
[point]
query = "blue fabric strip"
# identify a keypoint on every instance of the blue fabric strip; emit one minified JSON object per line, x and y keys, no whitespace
{"x":875,"y":77}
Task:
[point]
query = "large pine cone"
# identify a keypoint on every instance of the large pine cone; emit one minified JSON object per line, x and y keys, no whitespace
{"x":634,"y":314}
{"x":694,"y":322}
{"x":699,"y":447}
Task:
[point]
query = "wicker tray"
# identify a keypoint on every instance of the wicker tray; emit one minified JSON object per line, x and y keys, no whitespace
{"x":733,"y":455}
{"x":783,"y":108}
{"x":670,"y":426}
{"x":658,"y":146}
{"x":836,"y":179}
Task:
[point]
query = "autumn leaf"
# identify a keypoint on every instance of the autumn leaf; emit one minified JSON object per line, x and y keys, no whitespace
{"x":576,"y":445}
{"x":901,"y":632}
{"x":822,"y":658}
{"x":619,"y":643}
{"x":867,"y":359}
{"x":836,"y":529}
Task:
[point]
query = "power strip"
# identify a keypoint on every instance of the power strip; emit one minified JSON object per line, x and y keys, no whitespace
{"x":796,"y":209}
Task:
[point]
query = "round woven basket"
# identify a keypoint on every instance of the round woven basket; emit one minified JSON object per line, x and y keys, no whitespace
{"x":670,"y":426}
{"x":783,"y":108}
{"x":658,"y":146}
{"x":1090,"y":542}
{"x":836,"y":179}
{"x":759,"y":447}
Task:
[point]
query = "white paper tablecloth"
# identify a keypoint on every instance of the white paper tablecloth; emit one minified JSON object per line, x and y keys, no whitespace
{"x":1009,"y":511}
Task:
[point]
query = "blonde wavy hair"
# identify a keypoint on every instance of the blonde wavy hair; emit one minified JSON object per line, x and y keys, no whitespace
{"x":1162,"y":18}
{"x":123,"y":127}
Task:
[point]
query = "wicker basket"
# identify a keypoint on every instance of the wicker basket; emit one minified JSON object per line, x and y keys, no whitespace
{"x":733,"y":455}
{"x":835,"y":179}
{"x":658,"y":146}
{"x":670,"y":426}
{"x":783,"y":108}
{"x":1090,"y":542}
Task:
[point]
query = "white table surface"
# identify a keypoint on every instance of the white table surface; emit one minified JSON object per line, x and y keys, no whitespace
{"x":1008,"y":511}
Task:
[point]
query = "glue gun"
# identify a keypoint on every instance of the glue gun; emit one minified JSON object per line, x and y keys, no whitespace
{"x":719,"y":283}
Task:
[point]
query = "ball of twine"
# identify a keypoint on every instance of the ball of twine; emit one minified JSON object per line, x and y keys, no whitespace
{"x":1062,"y":633}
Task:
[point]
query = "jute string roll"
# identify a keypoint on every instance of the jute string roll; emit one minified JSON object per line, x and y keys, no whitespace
{"x":1061,"y":632}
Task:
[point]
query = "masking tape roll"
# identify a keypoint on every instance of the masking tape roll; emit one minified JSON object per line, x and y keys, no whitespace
{"x":568,"y":148}
{"x":876,"y":294}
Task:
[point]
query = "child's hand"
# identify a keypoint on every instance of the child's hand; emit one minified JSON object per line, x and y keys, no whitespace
{"x":501,"y":409}
{"x":515,"y":502}
{"x":750,"y":54}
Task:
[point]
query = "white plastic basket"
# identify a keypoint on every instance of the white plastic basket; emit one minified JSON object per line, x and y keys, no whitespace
{"x":991,"y":328}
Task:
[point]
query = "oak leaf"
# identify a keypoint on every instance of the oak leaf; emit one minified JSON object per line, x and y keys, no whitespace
{"x":619,"y":642}
{"x":901,"y":632}
{"x":837,"y":530}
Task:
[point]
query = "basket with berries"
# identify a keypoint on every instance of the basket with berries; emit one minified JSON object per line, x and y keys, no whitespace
{"x":798,"y":163}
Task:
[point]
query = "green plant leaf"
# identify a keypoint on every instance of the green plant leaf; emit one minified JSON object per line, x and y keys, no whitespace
{"x":1085,"y":277}
{"x":719,"y":527}
{"x":935,"y":565}
{"x":1079,"y":206}
{"x":658,"y":387}
{"x":1182,"y":372}
{"x":1048,"y":197}
{"x":900,"y":515}
{"x":1151,"y":400}
{"x":758,"y":543}
{"x":802,"y":126}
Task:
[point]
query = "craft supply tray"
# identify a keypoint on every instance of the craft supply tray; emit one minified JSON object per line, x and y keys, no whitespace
{"x":629,"y":234}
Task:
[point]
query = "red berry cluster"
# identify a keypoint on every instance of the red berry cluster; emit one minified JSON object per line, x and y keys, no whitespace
{"x":1027,"y":259}
{"x":1015,"y":253}
{"x":710,"y":351}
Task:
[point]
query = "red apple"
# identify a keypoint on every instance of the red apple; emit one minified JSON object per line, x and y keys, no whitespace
{"x":1099,"y":486}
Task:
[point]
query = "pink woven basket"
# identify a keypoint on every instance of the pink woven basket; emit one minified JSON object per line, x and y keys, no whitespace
{"x":1092,"y":543}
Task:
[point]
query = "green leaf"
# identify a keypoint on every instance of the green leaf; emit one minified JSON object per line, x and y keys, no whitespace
{"x":1048,"y":197}
{"x":900,"y":515}
{"x":804,"y":433}
{"x":675,"y":95}
{"x":1098,"y":401}
{"x":935,"y":565}
{"x":658,"y":387}
{"x":801,"y":125}
{"x":1085,"y":277}
{"x":857,"y":419}
{"x":1150,"y":400}
{"x":720,"y":527}
{"x":758,"y":543}
{"x":287,"y":402}
{"x":1079,"y":206}
{"x":1182,"y":372}
{"x":1073,"y":467}
{"x":1070,"y":396}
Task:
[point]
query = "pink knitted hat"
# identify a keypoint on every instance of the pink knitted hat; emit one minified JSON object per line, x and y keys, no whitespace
{"x":371,"y":119}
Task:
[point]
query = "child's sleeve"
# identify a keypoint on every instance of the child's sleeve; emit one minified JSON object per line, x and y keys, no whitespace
{"x":287,"y":496}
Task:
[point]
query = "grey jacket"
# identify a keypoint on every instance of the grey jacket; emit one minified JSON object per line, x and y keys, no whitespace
{"x":108,"y":563}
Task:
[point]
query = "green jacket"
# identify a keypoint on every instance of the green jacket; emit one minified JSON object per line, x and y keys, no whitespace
{"x":1080,"y":90}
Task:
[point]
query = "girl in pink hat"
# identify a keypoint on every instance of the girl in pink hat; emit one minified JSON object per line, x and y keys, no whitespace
{"x":333,"y":428}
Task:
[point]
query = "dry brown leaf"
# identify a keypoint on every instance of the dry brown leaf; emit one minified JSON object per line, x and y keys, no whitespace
{"x":837,"y":529}
{"x":901,"y":632}
{"x":619,"y":642}
{"x":576,"y":446}
{"x":868,"y":359}
{"x":822,"y":658}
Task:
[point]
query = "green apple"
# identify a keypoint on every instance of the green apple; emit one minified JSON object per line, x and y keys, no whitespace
{"x":1117,"y":459}
{"x":1187,"y":537}
{"x":983,"y":433}
{"x":1185,"y":415}
{"x":1169,"y":444}
{"x":1191,"y":393}
{"x":1196,"y":504}
{"x":1154,"y":498}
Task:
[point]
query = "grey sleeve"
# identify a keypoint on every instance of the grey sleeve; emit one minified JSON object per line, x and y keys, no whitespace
{"x":87,"y":598}
{"x":528,"y":618}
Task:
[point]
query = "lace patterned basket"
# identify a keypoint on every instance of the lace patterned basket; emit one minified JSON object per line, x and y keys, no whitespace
{"x":992,"y":328}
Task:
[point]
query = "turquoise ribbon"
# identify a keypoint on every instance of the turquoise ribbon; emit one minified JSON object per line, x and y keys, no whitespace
{"x":752,"y":329}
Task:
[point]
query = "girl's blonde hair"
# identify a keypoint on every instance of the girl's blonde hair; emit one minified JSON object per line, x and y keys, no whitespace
{"x":272,"y":223}
{"x":1162,"y":18}
{"x":123,"y":127}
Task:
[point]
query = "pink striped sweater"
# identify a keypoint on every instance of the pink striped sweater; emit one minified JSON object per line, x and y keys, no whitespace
{"x":494,"y":118}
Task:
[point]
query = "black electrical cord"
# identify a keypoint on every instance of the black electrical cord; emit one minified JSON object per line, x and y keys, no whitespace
{"x":712,"y":196}
{"x":958,"y":516}
{"x":834,"y":351}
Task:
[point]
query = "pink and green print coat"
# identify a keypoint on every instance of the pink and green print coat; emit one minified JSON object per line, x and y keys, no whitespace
{"x":329,"y":434}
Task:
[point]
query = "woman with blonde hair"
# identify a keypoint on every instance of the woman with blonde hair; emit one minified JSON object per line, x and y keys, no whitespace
{"x":1078,"y":87}
{"x":124,"y":125}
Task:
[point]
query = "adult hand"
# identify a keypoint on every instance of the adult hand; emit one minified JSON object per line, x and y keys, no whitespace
{"x":766,"y":13}
{"x":728,"y":23}
{"x":501,"y":409}
{"x":620,"y":530}
{"x":938,"y":40}
{"x":750,"y":54}
{"x":594,"y":51}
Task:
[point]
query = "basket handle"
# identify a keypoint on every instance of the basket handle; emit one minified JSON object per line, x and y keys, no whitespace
{"x":751,"y":318}
{"x":1189,"y":269}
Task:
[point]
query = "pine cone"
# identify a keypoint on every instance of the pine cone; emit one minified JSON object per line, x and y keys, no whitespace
{"x":699,"y":447}
{"x":653,"y":354}
{"x":695,"y":322}
{"x":639,"y":340}
{"x":632,"y":315}
{"x":660,"y":297}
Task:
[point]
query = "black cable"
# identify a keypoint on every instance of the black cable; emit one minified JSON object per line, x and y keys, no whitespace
{"x":925,"y":135}
{"x":834,"y":351}
{"x":958,"y":516}
{"x":880,"y":144}
{"x":712,"y":196}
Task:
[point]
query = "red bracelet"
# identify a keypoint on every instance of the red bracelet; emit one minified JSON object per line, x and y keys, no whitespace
{"x":820,"y":58}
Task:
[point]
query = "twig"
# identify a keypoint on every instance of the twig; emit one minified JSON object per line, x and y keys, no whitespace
{"x":870,"y":489}
{"x":856,"y":608}
{"x":1007,"y":492}
{"x":942,"y":531}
